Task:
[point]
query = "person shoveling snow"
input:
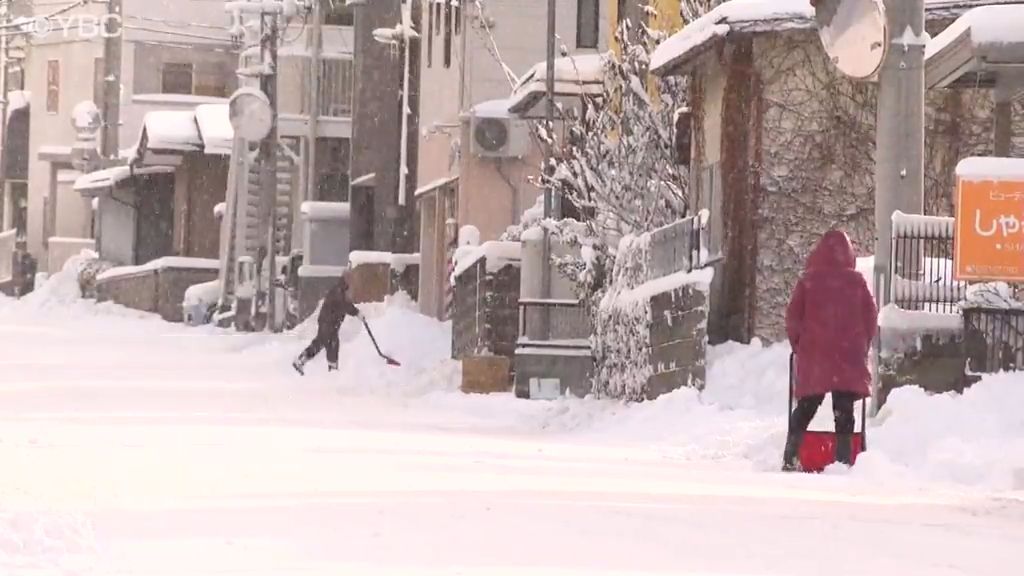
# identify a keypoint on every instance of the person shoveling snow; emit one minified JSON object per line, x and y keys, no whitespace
{"x":831,"y":321}
{"x":336,"y":306}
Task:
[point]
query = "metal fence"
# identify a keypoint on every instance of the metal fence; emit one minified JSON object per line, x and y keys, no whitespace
{"x":569,"y":320}
{"x":922,"y":265}
{"x":680,"y":246}
{"x":923,"y":280}
{"x":993,"y":339}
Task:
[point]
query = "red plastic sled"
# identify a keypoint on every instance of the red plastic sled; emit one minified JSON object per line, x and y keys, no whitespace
{"x":818,"y":449}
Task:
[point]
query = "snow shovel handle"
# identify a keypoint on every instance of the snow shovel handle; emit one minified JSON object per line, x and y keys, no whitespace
{"x":386,"y":358}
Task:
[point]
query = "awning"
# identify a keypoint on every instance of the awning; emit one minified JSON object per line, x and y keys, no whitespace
{"x":984,"y":47}
{"x":169,"y":134}
{"x":95,"y":183}
{"x":215,"y":128}
{"x":575,"y":76}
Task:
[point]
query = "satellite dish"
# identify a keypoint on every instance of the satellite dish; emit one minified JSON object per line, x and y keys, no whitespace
{"x":855,"y":35}
{"x":251,"y":114}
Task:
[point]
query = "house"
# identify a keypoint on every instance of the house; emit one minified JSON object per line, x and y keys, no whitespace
{"x":168,"y":64}
{"x":783,"y":149}
{"x":467,"y":128}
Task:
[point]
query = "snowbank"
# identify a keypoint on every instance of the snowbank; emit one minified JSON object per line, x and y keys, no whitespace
{"x":975,"y":439}
{"x":62,"y":287}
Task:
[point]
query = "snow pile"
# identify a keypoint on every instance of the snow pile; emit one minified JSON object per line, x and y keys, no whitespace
{"x":976,"y":438}
{"x":44,"y":545}
{"x":172,"y":130}
{"x":993,"y":295}
{"x":63,"y":287}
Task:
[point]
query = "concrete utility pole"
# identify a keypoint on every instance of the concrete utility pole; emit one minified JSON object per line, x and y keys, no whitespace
{"x":111,"y":106}
{"x":899,"y":153}
{"x":268,"y":159}
{"x":548,"y":190}
{"x":5,"y":18}
{"x":315,"y":49}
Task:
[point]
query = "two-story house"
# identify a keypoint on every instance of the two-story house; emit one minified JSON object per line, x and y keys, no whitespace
{"x":473,"y":55}
{"x":174,"y":56}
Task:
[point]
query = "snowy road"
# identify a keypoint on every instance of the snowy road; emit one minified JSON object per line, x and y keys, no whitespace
{"x":129,"y":446}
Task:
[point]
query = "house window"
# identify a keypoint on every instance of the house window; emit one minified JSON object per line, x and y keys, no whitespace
{"x":339,"y":15}
{"x":211,"y":80}
{"x":447,"y":35}
{"x":176,"y":78}
{"x":53,"y":86}
{"x":587,"y":23}
{"x":430,"y":35}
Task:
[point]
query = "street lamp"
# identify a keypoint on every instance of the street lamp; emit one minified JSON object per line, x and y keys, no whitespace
{"x":402,"y":34}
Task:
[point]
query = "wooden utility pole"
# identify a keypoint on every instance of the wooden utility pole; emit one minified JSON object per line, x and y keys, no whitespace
{"x":545,"y":270}
{"x":111,"y":106}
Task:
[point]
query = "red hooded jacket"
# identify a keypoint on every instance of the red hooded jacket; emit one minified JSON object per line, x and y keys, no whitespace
{"x":831,"y":321}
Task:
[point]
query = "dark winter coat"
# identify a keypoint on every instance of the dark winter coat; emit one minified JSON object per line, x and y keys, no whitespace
{"x":336,"y":306}
{"x":831,"y":321}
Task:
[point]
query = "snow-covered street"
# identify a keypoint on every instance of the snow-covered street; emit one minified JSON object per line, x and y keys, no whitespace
{"x":133,"y":446}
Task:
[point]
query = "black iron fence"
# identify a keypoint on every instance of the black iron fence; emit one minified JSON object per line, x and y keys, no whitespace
{"x":921,"y":268}
{"x":922,"y":265}
{"x":993,"y":339}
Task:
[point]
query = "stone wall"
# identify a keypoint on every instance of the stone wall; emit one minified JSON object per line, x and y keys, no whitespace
{"x":158,"y":291}
{"x":678,"y":337}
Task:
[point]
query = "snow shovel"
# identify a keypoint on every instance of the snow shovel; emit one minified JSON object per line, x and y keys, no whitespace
{"x":818,"y":448}
{"x":391,"y":361}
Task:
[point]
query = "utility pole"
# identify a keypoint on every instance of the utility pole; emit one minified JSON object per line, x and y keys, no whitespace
{"x":315,"y":48}
{"x":269,"y":33}
{"x":548,"y":169}
{"x":111,"y":106}
{"x":899,"y":153}
{"x":5,"y":18}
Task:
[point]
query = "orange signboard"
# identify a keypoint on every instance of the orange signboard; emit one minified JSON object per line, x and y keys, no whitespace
{"x":990,"y":229}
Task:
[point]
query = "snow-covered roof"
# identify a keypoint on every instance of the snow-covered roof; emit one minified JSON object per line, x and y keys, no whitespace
{"x":215,"y":128}
{"x":109,"y":177}
{"x":757,"y":16}
{"x":434,"y":185}
{"x":977,"y":43}
{"x":575,"y":75}
{"x":172,"y":130}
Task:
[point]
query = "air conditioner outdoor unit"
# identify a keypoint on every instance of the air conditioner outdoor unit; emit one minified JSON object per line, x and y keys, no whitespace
{"x":499,"y":136}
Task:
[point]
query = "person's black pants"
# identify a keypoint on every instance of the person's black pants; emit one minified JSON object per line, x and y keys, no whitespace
{"x":326,"y":338}
{"x":842,"y":409}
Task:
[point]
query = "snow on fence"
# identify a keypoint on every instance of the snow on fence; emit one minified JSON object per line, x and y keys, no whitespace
{"x":922,"y":264}
{"x":7,"y":245}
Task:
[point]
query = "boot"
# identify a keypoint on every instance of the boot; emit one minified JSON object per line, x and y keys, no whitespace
{"x":791,"y":454}
{"x":332,"y":366}
{"x":299,"y":364}
{"x":844,"y":449}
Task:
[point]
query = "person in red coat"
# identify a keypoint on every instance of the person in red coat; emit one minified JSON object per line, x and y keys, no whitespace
{"x":831,"y":321}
